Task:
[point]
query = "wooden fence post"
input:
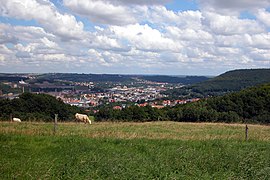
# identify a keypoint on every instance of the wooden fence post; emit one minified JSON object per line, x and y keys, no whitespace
{"x":246,"y":138}
{"x":55,"y":123}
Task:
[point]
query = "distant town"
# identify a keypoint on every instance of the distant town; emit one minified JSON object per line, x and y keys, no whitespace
{"x":93,"y":94}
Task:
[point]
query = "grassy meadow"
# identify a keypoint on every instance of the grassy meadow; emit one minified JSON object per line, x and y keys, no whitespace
{"x":156,"y":150}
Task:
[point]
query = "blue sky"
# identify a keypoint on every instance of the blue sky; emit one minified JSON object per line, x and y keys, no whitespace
{"x":173,"y":37}
{"x":182,"y":5}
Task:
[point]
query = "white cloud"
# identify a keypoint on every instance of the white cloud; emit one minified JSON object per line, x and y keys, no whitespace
{"x":28,"y":33}
{"x":235,"y":5}
{"x":136,"y":37}
{"x":230,"y":25}
{"x":45,"y":13}
{"x":97,"y":57}
{"x":161,"y":16}
{"x":188,"y":34}
{"x":145,"y":38}
{"x":105,"y":42}
{"x":262,"y":55}
{"x":6,"y":36}
{"x":52,"y":57}
{"x":261,"y":41}
{"x":112,"y":12}
{"x":140,"y":2}
{"x":4,"y":50}
{"x":263,"y":16}
{"x":49,"y":43}
{"x":101,"y":11}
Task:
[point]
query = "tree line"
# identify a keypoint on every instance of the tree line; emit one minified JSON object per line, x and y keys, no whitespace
{"x":36,"y":107}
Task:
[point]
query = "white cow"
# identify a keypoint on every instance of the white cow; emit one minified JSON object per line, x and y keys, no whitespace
{"x":16,"y":120}
{"x":83,"y":118}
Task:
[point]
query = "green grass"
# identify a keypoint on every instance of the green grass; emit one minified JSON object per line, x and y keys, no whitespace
{"x":163,"y":150}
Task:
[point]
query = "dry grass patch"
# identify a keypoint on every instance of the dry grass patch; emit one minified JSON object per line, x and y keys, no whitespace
{"x":149,"y":130}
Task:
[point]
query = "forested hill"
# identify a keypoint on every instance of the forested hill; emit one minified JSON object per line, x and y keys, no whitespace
{"x":231,"y":81}
{"x":252,"y":104}
{"x":235,"y":80}
{"x":120,"y":78}
{"x":175,"y":79}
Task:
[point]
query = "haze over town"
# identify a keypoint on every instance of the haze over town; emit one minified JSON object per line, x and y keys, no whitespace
{"x":175,"y":37}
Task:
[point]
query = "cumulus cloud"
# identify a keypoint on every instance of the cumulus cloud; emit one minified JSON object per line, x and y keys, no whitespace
{"x":140,"y":2}
{"x":261,"y":41}
{"x":6,"y":36}
{"x":129,"y":36}
{"x":235,"y":4}
{"x":230,"y":25}
{"x":145,"y":38}
{"x":263,"y":16}
{"x":112,"y":12}
{"x":103,"y":12}
{"x":188,"y":34}
{"x":46,"y":14}
{"x":161,"y":16}
{"x":34,"y":47}
{"x":4,"y":51}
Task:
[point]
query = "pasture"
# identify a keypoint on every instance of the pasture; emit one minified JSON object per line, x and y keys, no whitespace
{"x":156,"y":150}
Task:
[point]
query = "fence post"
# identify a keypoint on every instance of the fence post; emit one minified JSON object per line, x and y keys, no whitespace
{"x":246,"y":138}
{"x":55,"y":123}
{"x":10,"y":117}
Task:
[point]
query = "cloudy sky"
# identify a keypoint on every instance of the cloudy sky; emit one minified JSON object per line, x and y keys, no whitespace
{"x":174,"y":37}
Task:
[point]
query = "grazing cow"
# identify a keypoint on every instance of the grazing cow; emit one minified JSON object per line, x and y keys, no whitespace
{"x":16,"y":120}
{"x":83,"y":118}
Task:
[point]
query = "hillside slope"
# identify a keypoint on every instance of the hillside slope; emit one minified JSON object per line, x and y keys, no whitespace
{"x":230,"y":81}
{"x":120,"y":78}
{"x":235,"y":80}
{"x":252,"y":104}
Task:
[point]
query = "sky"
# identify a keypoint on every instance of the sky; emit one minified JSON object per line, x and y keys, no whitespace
{"x":170,"y":37}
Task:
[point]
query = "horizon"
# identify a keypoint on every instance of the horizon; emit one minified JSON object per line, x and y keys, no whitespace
{"x":162,"y":37}
{"x":173,"y":75}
